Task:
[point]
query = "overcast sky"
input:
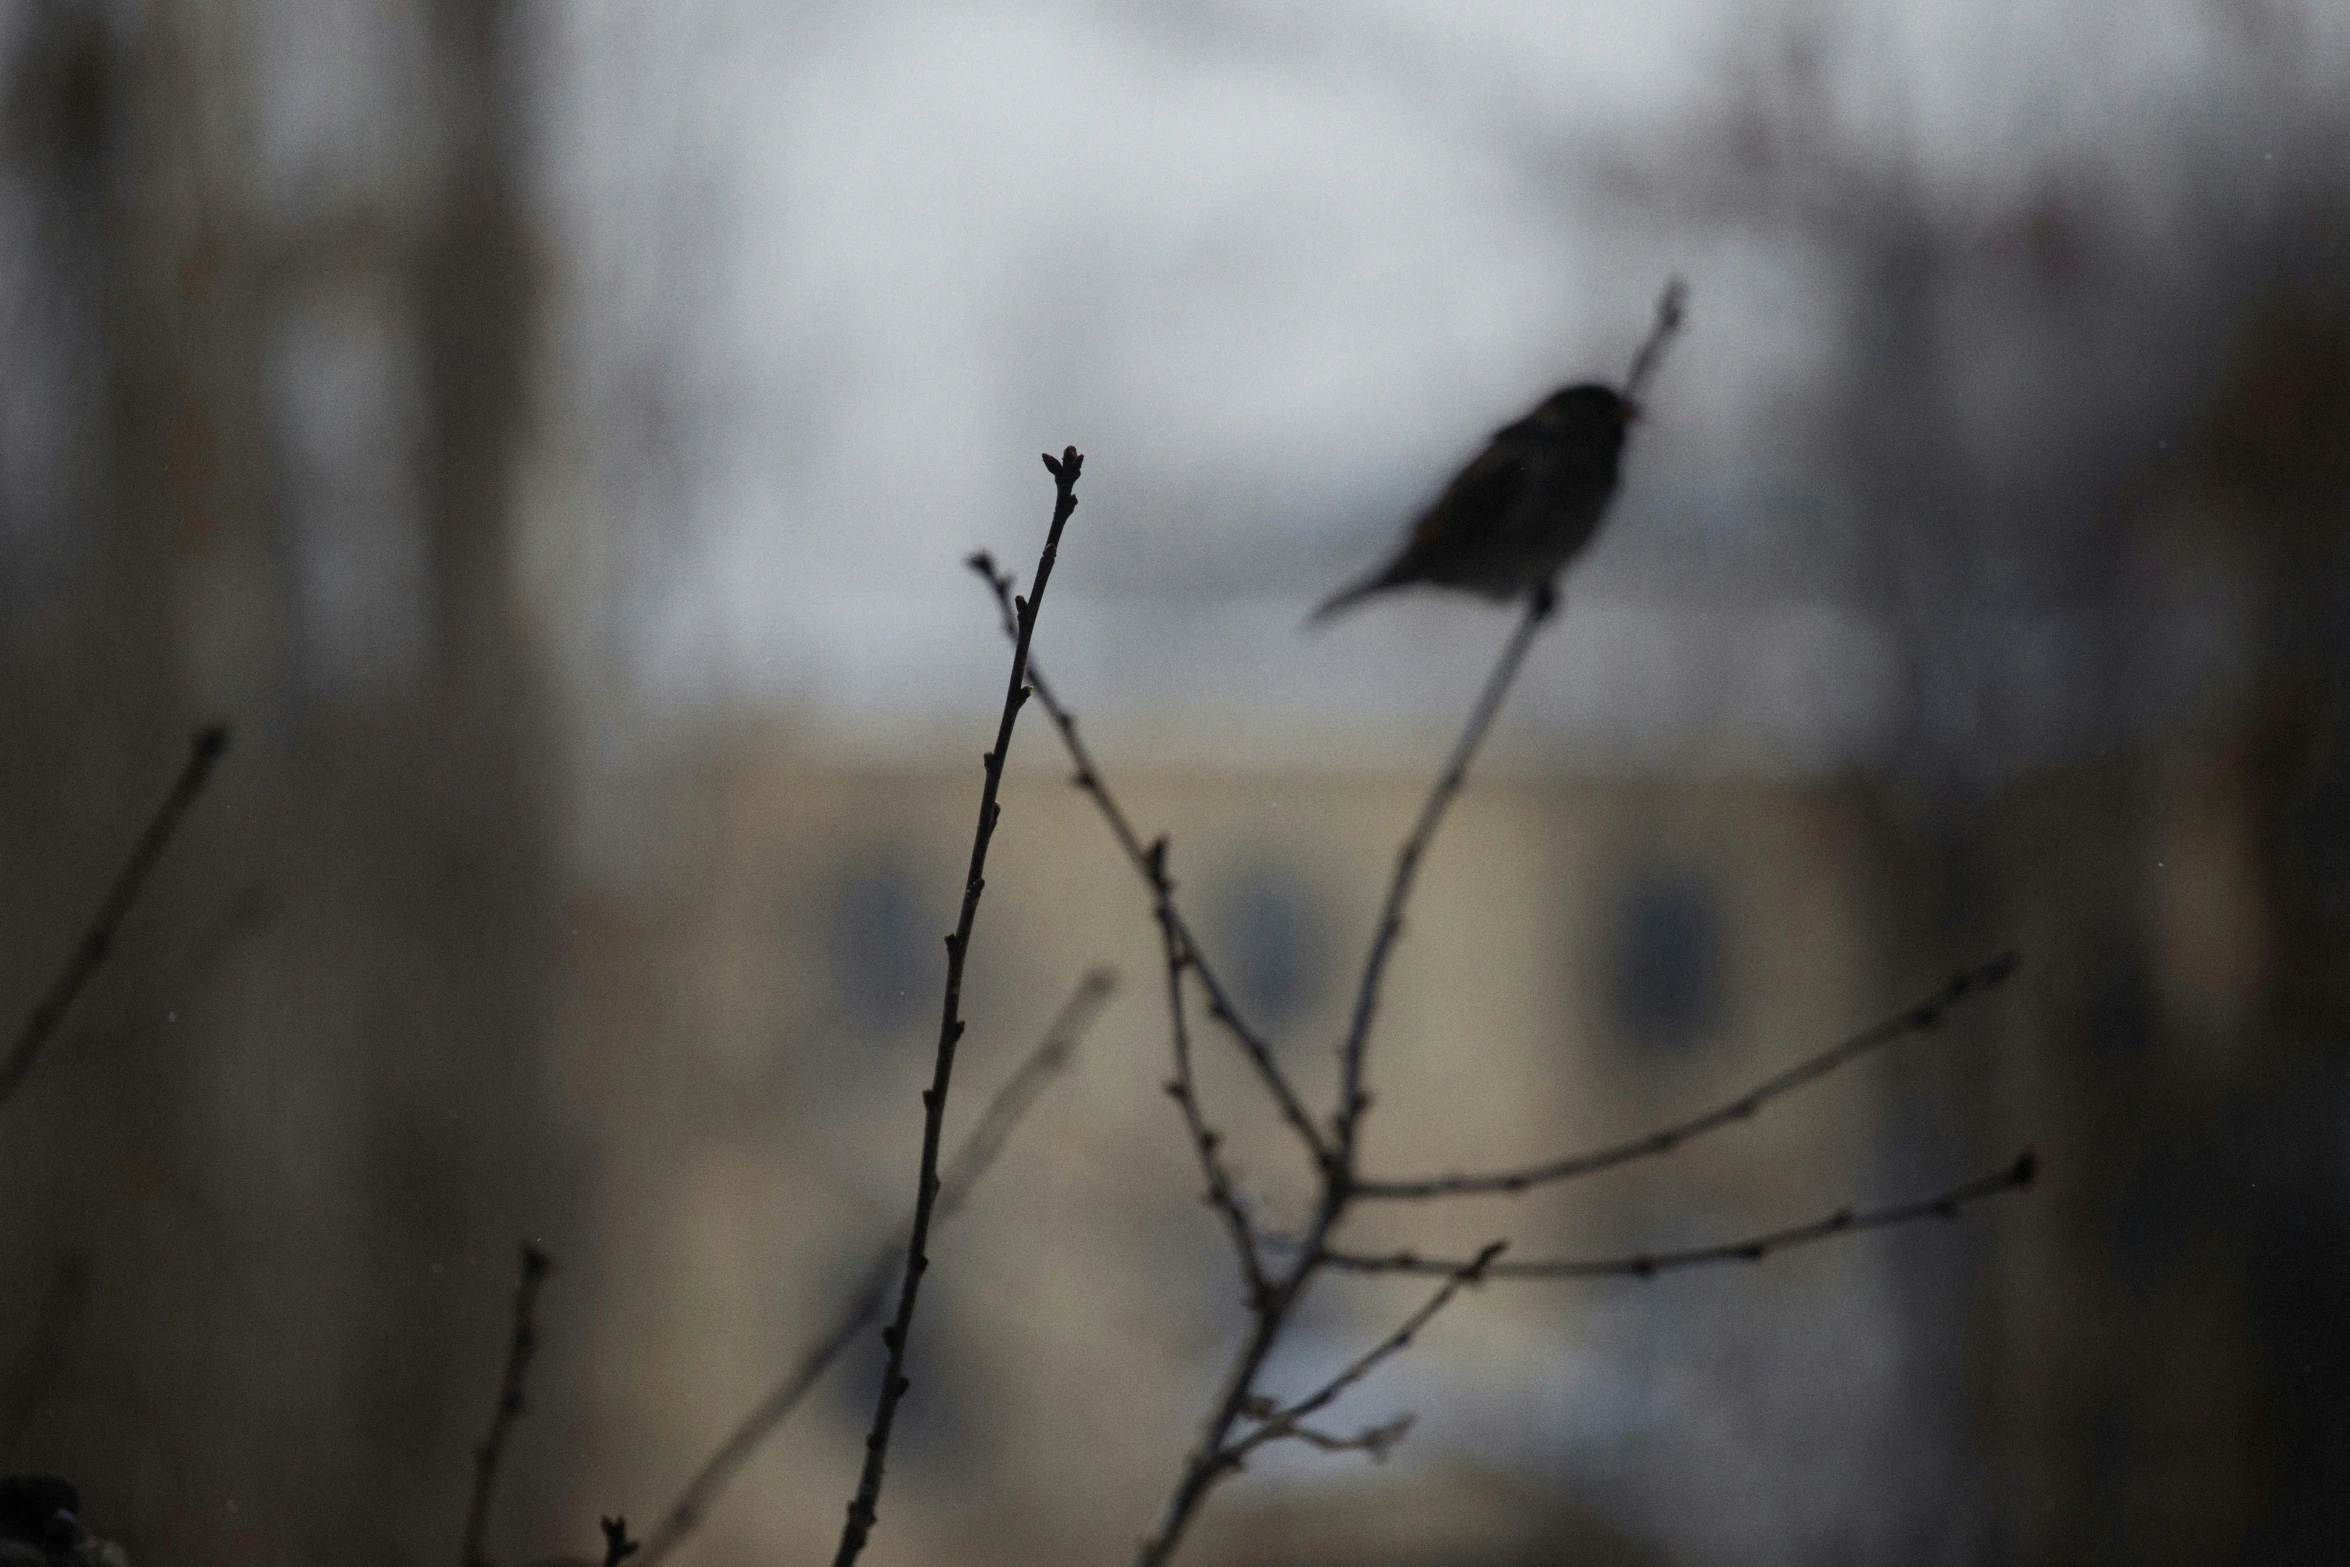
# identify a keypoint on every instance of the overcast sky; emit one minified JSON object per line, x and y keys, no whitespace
{"x":833,"y":275}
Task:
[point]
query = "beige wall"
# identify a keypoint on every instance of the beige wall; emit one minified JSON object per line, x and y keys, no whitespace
{"x":760,"y":1130}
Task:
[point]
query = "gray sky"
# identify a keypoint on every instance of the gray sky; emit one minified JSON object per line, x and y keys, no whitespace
{"x":837,"y":274}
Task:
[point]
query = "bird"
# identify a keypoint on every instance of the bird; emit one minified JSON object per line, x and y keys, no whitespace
{"x":1527,"y":505}
{"x":1524,"y":507}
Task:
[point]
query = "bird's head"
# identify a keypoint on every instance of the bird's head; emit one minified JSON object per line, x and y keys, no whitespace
{"x":1587,"y":412}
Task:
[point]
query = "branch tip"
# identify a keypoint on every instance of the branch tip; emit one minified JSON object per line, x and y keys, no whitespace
{"x":1020,"y":623}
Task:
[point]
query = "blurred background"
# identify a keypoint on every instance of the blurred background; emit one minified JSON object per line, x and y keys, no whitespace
{"x":550,"y":434}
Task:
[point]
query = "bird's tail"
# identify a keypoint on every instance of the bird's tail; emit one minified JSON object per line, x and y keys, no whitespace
{"x":1354,"y":593}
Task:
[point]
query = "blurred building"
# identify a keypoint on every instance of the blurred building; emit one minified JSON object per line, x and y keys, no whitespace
{"x":1587,"y":957}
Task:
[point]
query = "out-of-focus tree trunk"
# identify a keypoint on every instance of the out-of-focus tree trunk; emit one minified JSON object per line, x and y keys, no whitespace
{"x":298,"y":1127}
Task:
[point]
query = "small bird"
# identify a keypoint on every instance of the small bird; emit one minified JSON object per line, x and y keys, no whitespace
{"x":1510,"y":521}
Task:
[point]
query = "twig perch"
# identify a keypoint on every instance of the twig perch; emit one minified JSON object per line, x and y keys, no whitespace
{"x":1274,"y":1294}
{"x":1276,"y":1271}
{"x":1672,"y":307}
{"x":1351,"y":1053}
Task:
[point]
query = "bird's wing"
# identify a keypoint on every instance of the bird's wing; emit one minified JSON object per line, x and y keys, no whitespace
{"x":1479,"y":496}
{"x":1475,"y":503}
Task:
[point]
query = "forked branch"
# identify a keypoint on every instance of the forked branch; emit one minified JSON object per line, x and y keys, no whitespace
{"x":1089,"y":778}
{"x":1753,"y":1248}
{"x":1223,"y":1191}
{"x":1218,"y":1451}
{"x":1277,"y":1271}
{"x":1289,"y":1421}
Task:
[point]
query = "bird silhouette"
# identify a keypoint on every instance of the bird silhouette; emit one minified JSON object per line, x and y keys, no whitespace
{"x":1524,"y":507}
{"x":1533,"y":499}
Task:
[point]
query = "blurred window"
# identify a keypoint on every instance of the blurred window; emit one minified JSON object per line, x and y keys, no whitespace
{"x":1666,"y":984}
{"x":882,"y":944}
{"x":1273,"y":943}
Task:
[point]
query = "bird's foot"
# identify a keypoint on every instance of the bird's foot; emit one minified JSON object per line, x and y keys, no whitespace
{"x":1543,"y":602}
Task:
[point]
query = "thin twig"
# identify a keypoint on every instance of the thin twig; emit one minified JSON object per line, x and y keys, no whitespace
{"x":864,"y":1506}
{"x":1028,"y":1081}
{"x":970,"y":1162}
{"x":1351,"y":1053}
{"x":1919,"y":1018}
{"x":1223,"y":1191}
{"x":1208,"y":1462}
{"x":535,"y":1268}
{"x":1378,"y":1440}
{"x":618,"y":1547}
{"x":209,"y":745}
{"x":1088,"y":778}
{"x":1284,"y":1422}
{"x":1754,"y":1248}
{"x":1671,"y":306}
{"x":1236,"y":1396}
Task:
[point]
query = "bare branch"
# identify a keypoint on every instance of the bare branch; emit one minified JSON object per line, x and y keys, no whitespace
{"x":1351,"y":1100}
{"x":1236,"y":1398}
{"x":208,"y":747}
{"x":970,"y":1162}
{"x":1671,"y":306}
{"x":1918,"y":1018}
{"x":1376,"y":1440}
{"x":618,"y":1547}
{"x":1215,"y":1455}
{"x":1285,"y":1422}
{"x":1088,"y":777}
{"x":535,"y":1268}
{"x":1223,"y":1193}
{"x":864,"y":1506}
{"x":1754,"y":1248}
